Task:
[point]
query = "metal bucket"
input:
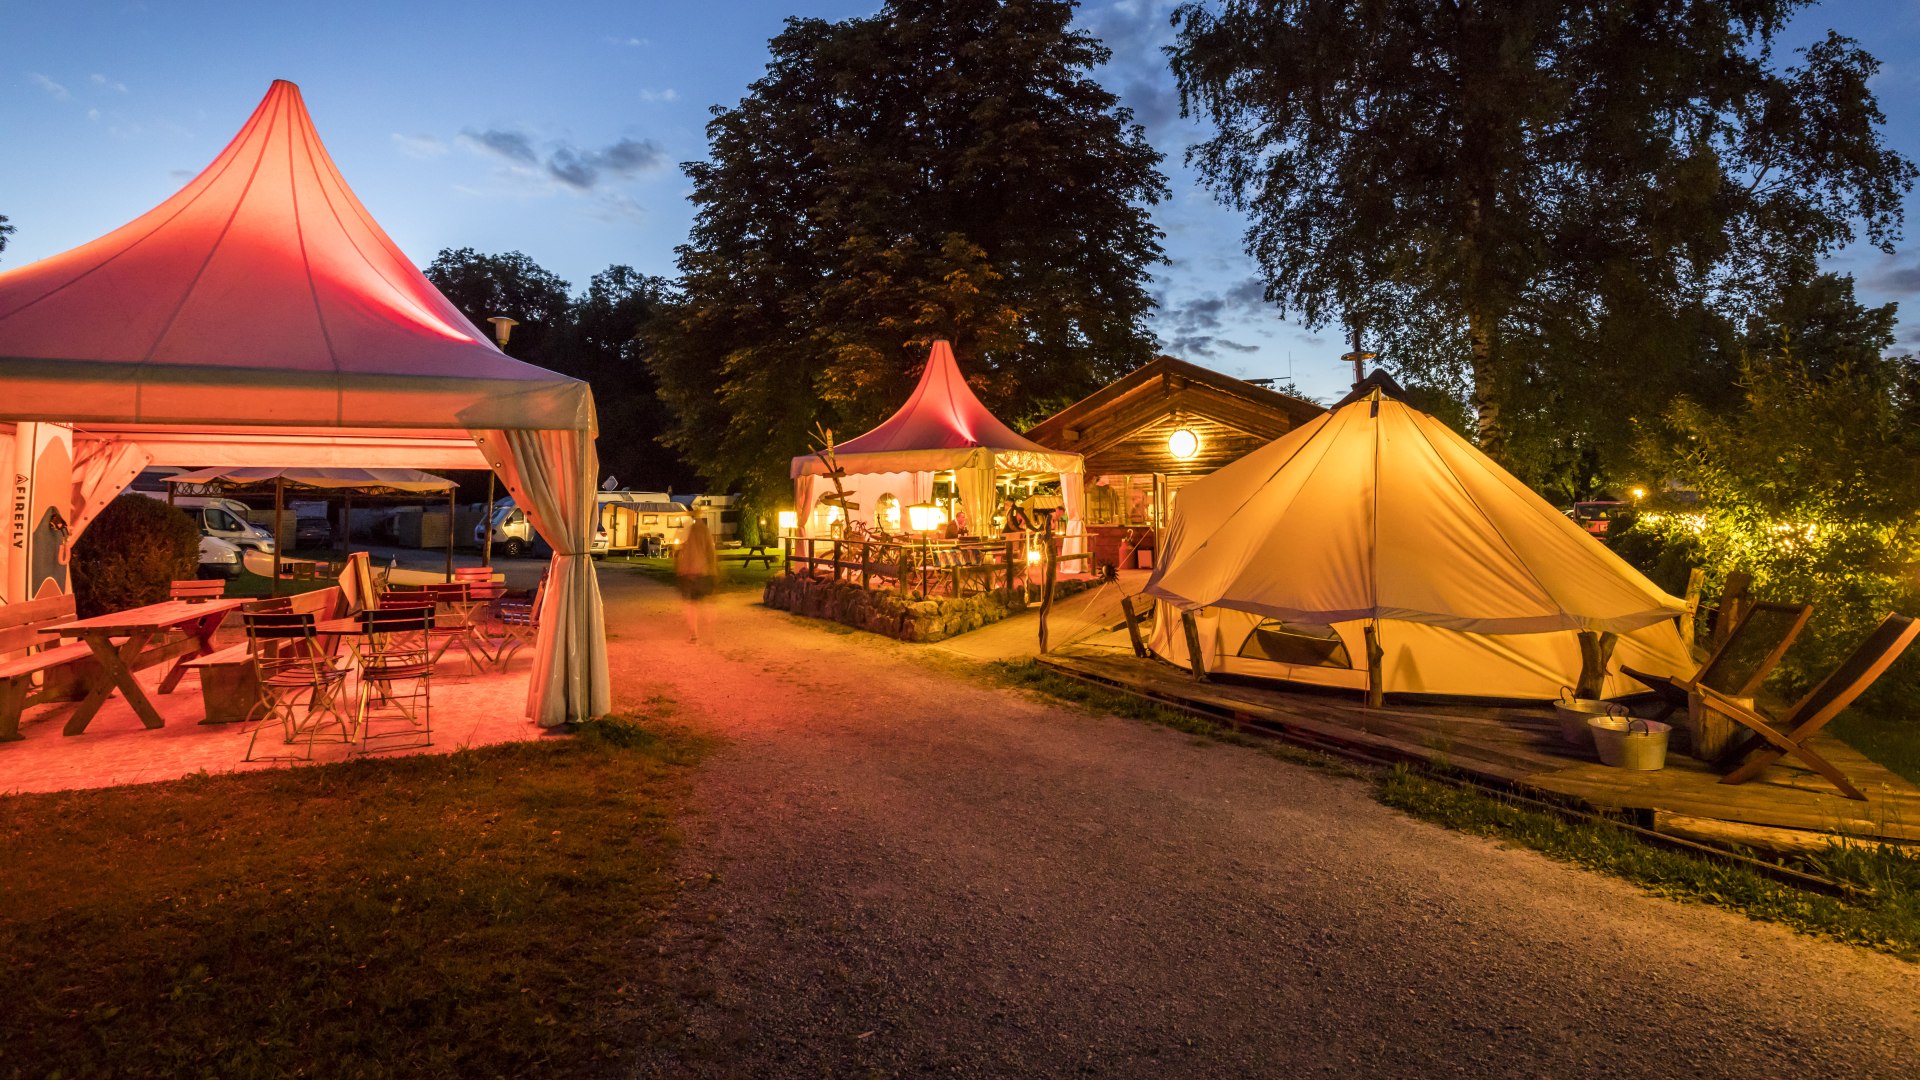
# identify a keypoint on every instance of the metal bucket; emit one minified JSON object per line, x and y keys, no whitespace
{"x":1623,"y":747}
{"x":1574,"y":712}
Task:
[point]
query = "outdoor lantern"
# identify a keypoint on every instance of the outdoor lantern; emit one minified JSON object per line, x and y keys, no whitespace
{"x":1183,"y":444}
{"x":502,"y":328}
{"x":1033,"y":556}
{"x":1638,"y":493}
{"x":924,"y":517}
{"x":789,"y":521}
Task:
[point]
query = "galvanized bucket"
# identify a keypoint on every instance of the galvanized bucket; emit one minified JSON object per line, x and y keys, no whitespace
{"x":1623,"y":747}
{"x":1574,"y":712}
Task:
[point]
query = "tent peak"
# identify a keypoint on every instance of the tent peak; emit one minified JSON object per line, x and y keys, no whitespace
{"x":1378,"y":380}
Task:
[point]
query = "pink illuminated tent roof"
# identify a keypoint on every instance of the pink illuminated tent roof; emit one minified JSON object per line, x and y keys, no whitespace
{"x":262,"y":293}
{"x":942,"y":426}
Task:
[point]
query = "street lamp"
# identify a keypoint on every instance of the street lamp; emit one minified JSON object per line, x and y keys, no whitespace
{"x":789,"y":522}
{"x":924,"y":518}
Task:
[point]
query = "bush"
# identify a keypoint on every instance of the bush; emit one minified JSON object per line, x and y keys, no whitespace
{"x":130,"y":553}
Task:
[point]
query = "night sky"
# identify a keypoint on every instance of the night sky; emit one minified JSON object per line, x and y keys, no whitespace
{"x":557,"y":130}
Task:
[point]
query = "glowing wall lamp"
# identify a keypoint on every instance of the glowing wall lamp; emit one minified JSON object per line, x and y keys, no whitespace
{"x":1183,"y":444}
{"x":503,"y":328}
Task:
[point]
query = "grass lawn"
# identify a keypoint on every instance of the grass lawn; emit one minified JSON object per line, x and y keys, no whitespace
{"x":469,"y":915}
{"x":734,"y":576}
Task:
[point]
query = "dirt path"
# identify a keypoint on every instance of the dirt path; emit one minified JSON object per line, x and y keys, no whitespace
{"x":916,"y":872}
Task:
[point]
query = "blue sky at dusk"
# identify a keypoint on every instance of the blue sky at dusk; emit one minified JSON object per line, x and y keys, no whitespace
{"x":557,"y":130}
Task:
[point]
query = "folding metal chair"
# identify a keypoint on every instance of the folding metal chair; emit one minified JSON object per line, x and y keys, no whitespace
{"x":300,"y":685}
{"x":396,"y":677}
{"x":519,"y":623}
{"x":1790,"y":733}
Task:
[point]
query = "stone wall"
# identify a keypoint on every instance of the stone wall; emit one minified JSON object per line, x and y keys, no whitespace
{"x":895,"y":615}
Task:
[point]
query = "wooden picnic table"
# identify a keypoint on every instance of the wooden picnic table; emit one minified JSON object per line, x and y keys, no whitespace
{"x":136,"y":627}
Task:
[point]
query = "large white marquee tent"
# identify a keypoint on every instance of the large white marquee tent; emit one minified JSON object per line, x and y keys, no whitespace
{"x":260,"y":316}
{"x":1378,"y":515}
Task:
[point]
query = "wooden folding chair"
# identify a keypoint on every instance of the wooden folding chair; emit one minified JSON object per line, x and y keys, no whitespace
{"x":1737,"y":666}
{"x":1791,"y":733}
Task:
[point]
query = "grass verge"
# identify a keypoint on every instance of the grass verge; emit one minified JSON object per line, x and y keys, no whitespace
{"x":466,"y":915}
{"x":1887,"y":920}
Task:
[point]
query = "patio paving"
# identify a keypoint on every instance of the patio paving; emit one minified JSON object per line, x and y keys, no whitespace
{"x":468,"y":710}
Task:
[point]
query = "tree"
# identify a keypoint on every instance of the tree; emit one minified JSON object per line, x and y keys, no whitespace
{"x":944,"y":168}
{"x":1561,"y":204}
{"x":601,"y":343}
{"x":6,"y":230}
{"x":483,"y":286}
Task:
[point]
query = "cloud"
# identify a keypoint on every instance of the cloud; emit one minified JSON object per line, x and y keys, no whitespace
{"x":1898,"y":280}
{"x":105,"y":83}
{"x":578,"y":168}
{"x":419,"y":146}
{"x":669,"y":94}
{"x":628,"y":42}
{"x":58,"y":92}
{"x":93,"y":114}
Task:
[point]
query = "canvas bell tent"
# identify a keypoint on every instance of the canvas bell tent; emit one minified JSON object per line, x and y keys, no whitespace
{"x":942,"y":430}
{"x":1378,"y":515}
{"x":260,"y":316}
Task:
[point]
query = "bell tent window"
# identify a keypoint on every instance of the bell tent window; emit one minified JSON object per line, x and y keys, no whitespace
{"x":1297,"y":644}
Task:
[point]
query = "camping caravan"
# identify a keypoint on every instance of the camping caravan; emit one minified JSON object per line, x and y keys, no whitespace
{"x":638,"y":522}
{"x":1376,"y":517}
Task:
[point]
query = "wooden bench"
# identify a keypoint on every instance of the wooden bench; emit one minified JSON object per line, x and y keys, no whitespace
{"x":747,"y":557}
{"x":61,"y":668}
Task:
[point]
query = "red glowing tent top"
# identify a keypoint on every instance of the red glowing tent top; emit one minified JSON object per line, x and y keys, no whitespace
{"x":261,"y":293}
{"x":942,"y":426}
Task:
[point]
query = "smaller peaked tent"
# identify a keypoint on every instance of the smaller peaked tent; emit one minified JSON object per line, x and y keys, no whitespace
{"x":942,"y":427}
{"x":1378,"y":514}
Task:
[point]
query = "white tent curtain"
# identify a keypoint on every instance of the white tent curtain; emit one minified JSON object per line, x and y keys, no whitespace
{"x":974,"y":485}
{"x":1073,"y":496}
{"x":550,"y":473}
{"x":101,"y":471}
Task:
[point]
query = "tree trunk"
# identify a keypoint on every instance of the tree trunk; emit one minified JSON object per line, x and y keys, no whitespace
{"x":1487,"y":391}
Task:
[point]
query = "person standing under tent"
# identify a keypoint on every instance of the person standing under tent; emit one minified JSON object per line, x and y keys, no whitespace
{"x":697,"y":564}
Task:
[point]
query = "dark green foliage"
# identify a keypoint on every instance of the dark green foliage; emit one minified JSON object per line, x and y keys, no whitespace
{"x":944,"y":168}
{"x":6,"y":230}
{"x":130,"y":553}
{"x":1563,"y":207}
{"x":594,"y":337}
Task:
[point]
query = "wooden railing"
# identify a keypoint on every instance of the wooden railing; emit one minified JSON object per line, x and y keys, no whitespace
{"x":906,"y":561}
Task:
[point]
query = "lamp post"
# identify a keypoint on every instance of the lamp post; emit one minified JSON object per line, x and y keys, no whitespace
{"x":923,"y":518}
{"x":789,"y":525}
{"x":502,"y":329}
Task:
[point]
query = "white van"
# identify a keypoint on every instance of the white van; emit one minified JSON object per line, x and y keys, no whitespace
{"x":513,"y":534}
{"x":222,"y":519}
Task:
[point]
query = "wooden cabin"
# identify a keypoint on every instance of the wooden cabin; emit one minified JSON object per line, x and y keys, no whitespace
{"x":1145,"y":435}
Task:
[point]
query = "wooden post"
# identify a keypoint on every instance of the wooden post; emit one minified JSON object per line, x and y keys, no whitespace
{"x":1133,"y":626}
{"x":346,"y":526}
{"x":786,"y":554}
{"x":836,"y":560}
{"x":866,"y":558}
{"x":1689,"y":622}
{"x":486,"y":543}
{"x":1376,"y":682}
{"x":451,"y":492}
{"x":279,"y":493}
{"x":1046,"y":588}
{"x":1194,"y":659}
{"x":1010,"y":566}
{"x":1595,"y":651}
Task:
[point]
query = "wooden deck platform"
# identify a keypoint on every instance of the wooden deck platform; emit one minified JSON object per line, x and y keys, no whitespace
{"x":1522,"y":746}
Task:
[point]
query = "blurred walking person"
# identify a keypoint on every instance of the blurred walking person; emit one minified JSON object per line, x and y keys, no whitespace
{"x":697,"y":564}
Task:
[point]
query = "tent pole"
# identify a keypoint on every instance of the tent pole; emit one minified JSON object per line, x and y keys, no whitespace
{"x":451,"y":492}
{"x":486,"y":518}
{"x":346,"y":526}
{"x":279,"y":493}
{"x":1376,"y":686}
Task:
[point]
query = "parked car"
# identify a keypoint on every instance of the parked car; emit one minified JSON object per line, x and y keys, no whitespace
{"x":513,"y":534}
{"x":219,"y":558}
{"x":1597,"y":516}
{"x":223,"y":519}
{"x":312,"y":532}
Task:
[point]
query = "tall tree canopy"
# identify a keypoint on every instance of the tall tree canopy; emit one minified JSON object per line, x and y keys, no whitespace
{"x":945,"y":168}
{"x":1562,"y":205}
{"x":595,"y":337}
{"x":6,"y":230}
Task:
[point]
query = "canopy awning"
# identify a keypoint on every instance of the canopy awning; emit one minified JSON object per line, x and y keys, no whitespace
{"x":261,"y":317}
{"x":942,"y":426}
{"x":358,"y":481}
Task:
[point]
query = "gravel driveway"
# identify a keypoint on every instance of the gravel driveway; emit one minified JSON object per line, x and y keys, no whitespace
{"x":914,"y":872}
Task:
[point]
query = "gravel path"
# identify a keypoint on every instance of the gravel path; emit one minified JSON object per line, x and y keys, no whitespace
{"x":914,"y":872}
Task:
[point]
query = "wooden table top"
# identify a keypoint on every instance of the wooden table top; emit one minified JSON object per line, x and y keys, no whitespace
{"x":161,"y":616}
